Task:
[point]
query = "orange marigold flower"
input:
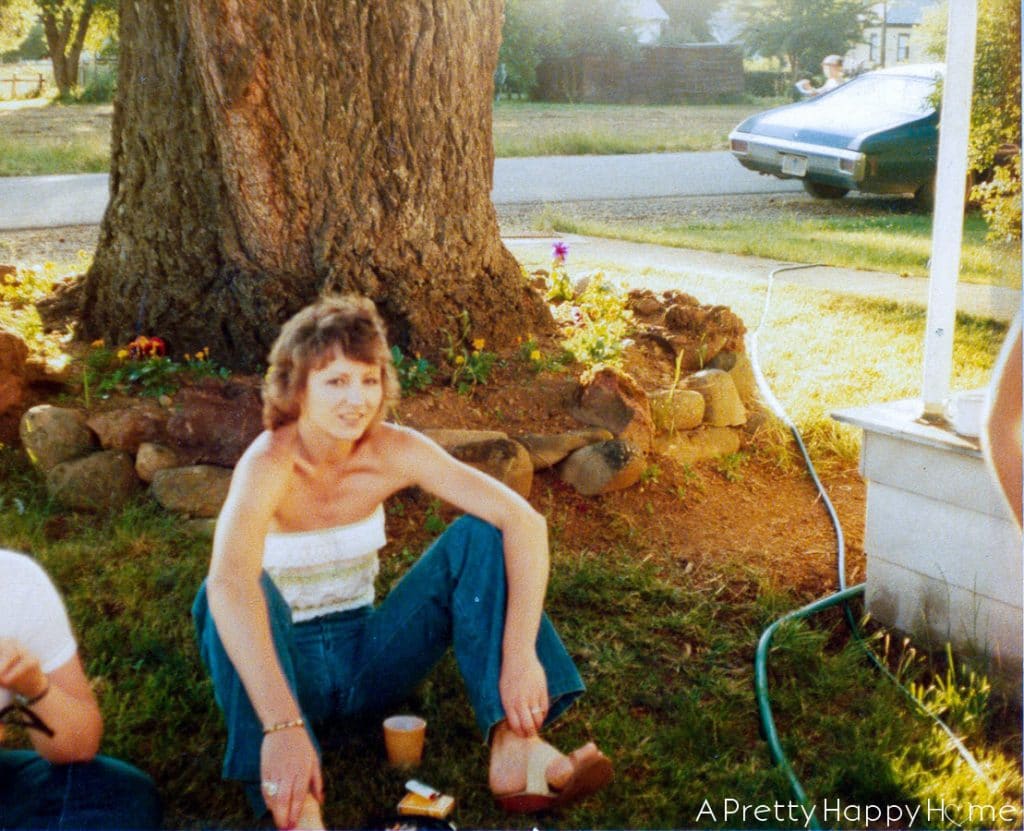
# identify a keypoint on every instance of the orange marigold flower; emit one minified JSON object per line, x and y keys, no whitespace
{"x":479,"y":343}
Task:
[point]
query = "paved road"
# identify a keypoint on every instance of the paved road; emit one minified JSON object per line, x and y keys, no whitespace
{"x":52,"y":201}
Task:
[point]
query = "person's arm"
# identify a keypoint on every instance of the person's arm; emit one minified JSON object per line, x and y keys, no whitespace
{"x":239,"y":610}
{"x":525,"y":538}
{"x":67,"y":706}
{"x":1001,"y":433}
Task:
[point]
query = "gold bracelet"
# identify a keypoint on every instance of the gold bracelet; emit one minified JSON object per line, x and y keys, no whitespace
{"x":284,"y":725}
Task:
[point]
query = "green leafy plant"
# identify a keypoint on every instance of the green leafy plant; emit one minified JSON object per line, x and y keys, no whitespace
{"x":471,"y":364}
{"x":731,"y":465}
{"x":142,"y":368}
{"x":433,"y":522}
{"x":531,"y":354}
{"x":414,"y":373}
{"x":600,"y":323}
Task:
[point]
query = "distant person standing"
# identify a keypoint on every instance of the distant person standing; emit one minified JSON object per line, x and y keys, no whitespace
{"x":832,"y":66}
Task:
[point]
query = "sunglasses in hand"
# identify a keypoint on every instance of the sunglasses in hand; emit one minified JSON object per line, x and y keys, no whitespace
{"x":19,"y":715}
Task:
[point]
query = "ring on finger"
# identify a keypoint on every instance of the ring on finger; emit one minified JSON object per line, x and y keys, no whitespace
{"x":270,"y":787}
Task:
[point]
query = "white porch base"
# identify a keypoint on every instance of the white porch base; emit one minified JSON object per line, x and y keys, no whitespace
{"x":943,"y":554}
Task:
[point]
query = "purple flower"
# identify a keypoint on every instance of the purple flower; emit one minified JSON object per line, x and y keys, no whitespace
{"x":560,"y":250}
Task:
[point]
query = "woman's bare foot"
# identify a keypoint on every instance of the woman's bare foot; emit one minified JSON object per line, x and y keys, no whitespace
{"x":510,"y":754}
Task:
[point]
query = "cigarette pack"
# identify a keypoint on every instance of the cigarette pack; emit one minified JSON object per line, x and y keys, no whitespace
{"x":413,"y":804}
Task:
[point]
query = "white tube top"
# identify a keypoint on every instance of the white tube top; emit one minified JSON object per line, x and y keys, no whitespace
{"x":328,"y":570}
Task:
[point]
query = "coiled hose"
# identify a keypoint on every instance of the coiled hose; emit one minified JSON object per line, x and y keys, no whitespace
{"x":842,"y":596}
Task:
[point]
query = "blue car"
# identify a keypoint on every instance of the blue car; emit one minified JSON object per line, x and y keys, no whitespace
{"x":877,"y":133}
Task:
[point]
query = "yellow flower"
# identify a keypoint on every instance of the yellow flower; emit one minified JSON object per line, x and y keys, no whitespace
{"x":535,"y":355}
{"x":188,"y":357}
{"x":460,"y":360}
{"x":479,"y":343}
{"x":122,"y":353}
{"x":97,"y":344}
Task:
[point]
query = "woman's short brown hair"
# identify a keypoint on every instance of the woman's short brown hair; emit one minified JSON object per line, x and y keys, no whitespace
{"x":347,"y":324}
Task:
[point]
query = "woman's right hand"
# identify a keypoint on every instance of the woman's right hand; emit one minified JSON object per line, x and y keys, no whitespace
{"x":289,"y":760}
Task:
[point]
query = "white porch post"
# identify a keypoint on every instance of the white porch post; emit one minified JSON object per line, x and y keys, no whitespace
{"x":948,"y":219}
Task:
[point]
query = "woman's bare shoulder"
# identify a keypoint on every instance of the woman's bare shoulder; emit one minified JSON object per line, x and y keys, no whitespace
{"x":272,"y":451}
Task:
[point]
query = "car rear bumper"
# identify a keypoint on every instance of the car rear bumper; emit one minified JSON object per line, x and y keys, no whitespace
{"x":796,"y":160}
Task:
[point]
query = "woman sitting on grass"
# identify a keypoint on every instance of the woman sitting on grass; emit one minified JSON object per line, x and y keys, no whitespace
{"x":61,"y":782}
{"x":286,"y":620}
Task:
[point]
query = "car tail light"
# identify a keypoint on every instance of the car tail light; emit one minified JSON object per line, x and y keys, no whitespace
{"x":738,"y":145}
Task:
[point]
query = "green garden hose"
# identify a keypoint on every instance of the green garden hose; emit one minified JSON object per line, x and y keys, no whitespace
{"x":843,"y":596}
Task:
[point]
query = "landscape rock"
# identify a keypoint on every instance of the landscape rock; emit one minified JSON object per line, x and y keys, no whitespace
{"x":128,"y":427}
{"x":196,"y":490}
{"x":504,"y":459}
{"x":214,"y":423}
{"x":675,"y":410}
{"x":603,"y":467}
{"x":548,"y":451}
{"x":51,"y":435}
{"x":611,"y":399}
{"x":453,"y":438}
{"x":13,"y":355}
{"x":697,"y":445}
{"x":99,"y":482}
{"x":643,"y":303}
{"x":722,"y":404}
{"x":152,"y":457}
{"x":738,"y":365}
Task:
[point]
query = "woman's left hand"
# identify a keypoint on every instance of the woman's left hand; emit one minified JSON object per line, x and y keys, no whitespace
{"x":524,"y":694}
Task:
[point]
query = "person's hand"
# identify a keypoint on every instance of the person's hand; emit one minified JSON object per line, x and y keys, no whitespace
{"x":288,"y":760}
{"x":524,"y":694}
{"x":20,"y":671}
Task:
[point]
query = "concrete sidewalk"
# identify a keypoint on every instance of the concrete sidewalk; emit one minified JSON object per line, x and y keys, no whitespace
{"x":983,"y":301}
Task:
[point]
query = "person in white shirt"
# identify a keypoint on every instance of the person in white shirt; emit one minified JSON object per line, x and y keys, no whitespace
{"x":832,"y":67}
{"x":60,"y":782}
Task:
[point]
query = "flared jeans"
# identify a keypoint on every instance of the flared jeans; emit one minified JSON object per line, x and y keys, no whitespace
{"x":369,"y":659}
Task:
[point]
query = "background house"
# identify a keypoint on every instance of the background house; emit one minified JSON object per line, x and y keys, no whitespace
{"x":892,"y":41}
{"x":647,"y":18}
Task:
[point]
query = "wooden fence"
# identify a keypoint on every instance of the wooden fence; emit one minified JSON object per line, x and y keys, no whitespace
{"x":21,"y":84}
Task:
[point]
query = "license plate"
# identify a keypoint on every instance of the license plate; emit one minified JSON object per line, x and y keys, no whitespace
{"x":794,"y":165}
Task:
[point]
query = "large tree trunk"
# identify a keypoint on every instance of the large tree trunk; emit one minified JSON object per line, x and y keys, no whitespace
{"x":263,"y":153}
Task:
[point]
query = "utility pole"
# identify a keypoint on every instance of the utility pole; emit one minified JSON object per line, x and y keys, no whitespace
{"x":885,"y":16}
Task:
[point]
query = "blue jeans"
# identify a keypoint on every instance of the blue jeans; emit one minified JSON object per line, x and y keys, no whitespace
{"x":369,"y":659}
{"x":100,"y":794}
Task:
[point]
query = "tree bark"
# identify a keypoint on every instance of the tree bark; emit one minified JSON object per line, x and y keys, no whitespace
{"x":264,"y":153}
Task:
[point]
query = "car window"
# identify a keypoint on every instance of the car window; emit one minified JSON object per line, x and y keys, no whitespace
{"x":879,"y":93}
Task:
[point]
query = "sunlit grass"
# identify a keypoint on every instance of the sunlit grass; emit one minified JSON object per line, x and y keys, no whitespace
{"x":822,"y":351}
{"x":45,"y":155}
{"x":900,"y":244}
{"x":535,"y":129}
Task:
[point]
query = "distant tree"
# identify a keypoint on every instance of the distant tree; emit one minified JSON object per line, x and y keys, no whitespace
{"x":16,"y":20}
{"x":528,"y":32}
{"x":802,"y":32}
{"x":66,"y":25}
{"x":689,"y":21}
{"x":995,"y":104}
{"x":560,"y":30}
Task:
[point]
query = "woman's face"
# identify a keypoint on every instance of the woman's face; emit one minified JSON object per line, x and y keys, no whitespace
{"x":342,"y":397}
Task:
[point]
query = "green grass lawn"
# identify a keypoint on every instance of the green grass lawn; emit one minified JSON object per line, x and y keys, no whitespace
{"x":893,"y":242}
{"x":43,"y":137}
{"x":534,"y":129}
{"x":666,"y":652}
